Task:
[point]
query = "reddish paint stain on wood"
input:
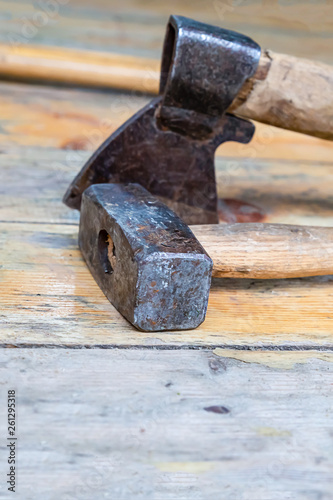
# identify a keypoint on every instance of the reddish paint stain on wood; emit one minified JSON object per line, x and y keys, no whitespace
{"x":231,"y":210}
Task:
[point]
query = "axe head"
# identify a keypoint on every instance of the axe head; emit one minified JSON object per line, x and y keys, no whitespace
{"x":168,"y":147}
{"x":178,"y":169}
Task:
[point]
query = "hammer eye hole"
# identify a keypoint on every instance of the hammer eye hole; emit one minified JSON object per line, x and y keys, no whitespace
{"x":106,"y":251}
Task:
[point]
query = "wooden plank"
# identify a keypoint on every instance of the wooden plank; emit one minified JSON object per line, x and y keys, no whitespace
{"x":34,"y":181}
{"x":67,"y":119}
{"x":290,"y":191}
{"x":48,"y":297}
{"x":74,"y":119}
{"x":138,"y":28}
{"x":174,"y":424}
{"x":145,"y":421}
{"x":76,"y":312}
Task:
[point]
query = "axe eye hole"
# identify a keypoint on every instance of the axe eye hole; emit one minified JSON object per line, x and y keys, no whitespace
{"x":106,"y":250}
{"x":167,"y":56}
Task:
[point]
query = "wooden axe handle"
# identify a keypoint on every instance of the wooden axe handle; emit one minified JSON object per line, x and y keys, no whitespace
{"x":290,"y":93}
{"x":267,"y":251}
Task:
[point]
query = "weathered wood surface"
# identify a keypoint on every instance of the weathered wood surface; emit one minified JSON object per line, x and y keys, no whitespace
{"x":131,"y":423}
{"x":71,"y":119}
{"x":49,"y":297}
{"x":33,"y":181}
{"x":266,"y":251}
{"x":296,"y":190}
{"x":137,"y":27}
{"x":138,"y":424}
{"x":289,"y":92}
{"x":35,"y":178}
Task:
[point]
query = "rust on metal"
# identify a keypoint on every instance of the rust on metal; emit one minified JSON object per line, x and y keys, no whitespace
{"x":144,"y":257}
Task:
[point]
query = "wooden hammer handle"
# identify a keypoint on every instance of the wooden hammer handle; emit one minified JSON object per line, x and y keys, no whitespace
{"x":290,"y":93}
{"x":267,"y":251}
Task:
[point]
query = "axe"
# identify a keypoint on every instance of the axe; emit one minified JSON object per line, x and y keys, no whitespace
{"x":168,"y":147}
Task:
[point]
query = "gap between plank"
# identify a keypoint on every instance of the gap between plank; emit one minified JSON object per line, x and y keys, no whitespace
{"x":263,"y":347}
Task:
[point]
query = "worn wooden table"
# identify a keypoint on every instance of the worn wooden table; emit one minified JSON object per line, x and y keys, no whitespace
{"x":240,"y":408}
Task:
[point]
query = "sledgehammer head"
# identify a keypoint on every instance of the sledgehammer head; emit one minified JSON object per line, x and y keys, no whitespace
{"x":144,"y":257}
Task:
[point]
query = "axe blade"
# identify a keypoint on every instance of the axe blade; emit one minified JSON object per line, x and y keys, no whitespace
{"x":176,"y":168}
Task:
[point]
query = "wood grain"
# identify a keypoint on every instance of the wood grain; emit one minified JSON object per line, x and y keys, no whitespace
{"x":174,"y":424}
{"x":291,"y":93}
{"x":71,"y":309}
{"x":75,"y":120}
{"x":252,"y":184}
{"x":294,"y":192}
{"x":267,"y":251}
{"x":48,"y":297}
{"x":78,"y":67}
{"x":131,"y":423}
{"x":137,"y":28}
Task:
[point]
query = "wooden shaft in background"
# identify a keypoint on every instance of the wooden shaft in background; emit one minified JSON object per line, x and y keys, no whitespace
{"x":286,"y":91}
{"x":79,"y":67}
{"x":267,"y":251}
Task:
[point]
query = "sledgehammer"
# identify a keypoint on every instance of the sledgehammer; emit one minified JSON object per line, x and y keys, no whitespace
{"x":157,"y":271}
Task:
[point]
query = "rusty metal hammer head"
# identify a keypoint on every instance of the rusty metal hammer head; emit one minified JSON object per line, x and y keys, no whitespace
{"x":144,"y":257}
{"x":168,"y":146}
